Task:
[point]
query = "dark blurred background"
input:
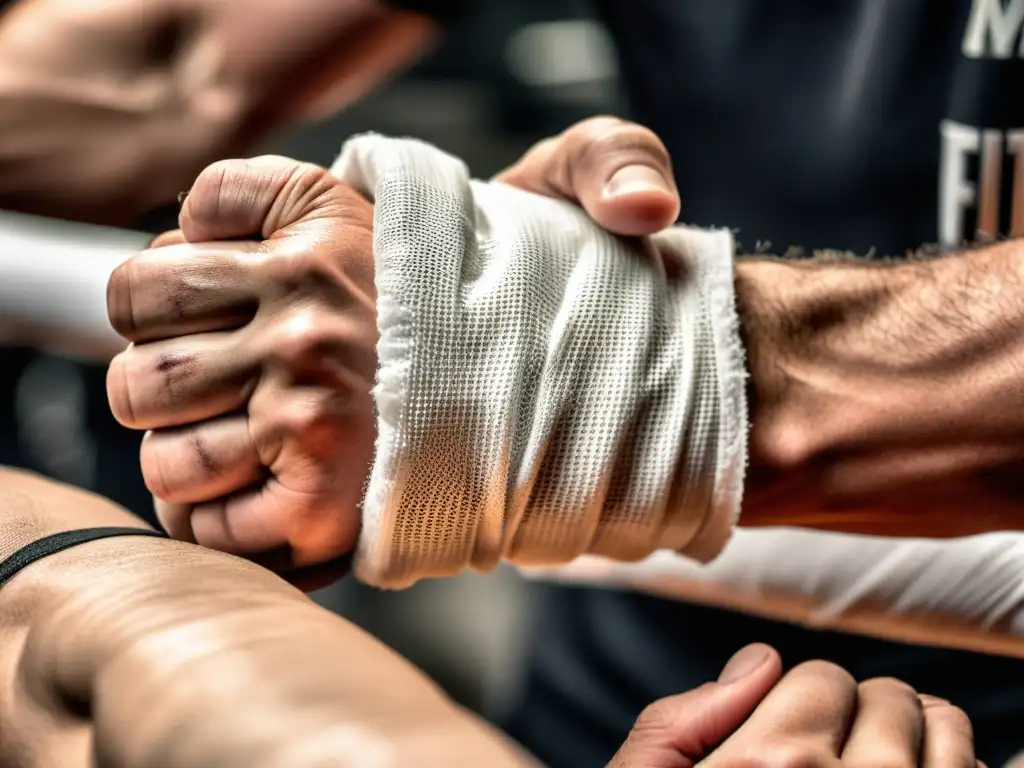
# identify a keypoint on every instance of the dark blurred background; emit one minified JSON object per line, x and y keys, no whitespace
{"x":505,"y":77}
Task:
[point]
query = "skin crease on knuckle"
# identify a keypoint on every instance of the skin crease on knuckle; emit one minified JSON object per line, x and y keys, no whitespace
{"x":608,"y":147}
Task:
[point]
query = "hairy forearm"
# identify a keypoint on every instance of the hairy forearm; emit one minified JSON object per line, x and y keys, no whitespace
{"x":110,"y":627}
{"x":881,"y":391}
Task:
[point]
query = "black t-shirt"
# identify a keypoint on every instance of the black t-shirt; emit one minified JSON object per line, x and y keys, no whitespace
{"x":865,"y":125}
{"x":852,"y":124}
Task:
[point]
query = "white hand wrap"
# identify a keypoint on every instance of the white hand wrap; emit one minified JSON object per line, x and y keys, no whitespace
{"x":966,"y":593}
{"x":545,"y":390}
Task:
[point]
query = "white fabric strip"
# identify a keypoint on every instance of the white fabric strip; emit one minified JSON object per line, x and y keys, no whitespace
{"x":966,"y":593}
{"x":53,"y":283}
{"x":545,"y":390}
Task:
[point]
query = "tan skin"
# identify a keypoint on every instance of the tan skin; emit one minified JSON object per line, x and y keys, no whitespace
{"x":148,"y":653}
{"x":109,"y":109}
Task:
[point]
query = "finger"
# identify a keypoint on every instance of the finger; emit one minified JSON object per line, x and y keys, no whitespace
{"x":244,"y":524}
{"x":238,"y":524}
{"x":175,"y":519}
{"x":620,"y":172}
{"x":888,"y":727}
{"x":681,"y":730}
{"x":270,"y":518}
{"x":317,"y":444}
{"x":183,"y":289}
{"x":173,"y":237}
{"x":255,"y":197}
{"x":948,"y":736}
{"x":811,"y":707}
{"x":201,"y":462}
{"x":181,"y":381}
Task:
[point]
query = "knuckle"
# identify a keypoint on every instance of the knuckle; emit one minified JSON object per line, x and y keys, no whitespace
{"x":315,"y":419}
{"x":890,"y":686}
{"x":303,"y":338}
{"x":625,"y":139}
{"x":593,"y":127}
{"x":654,"y":719}
{"x":827,"y":672}
{"x":791,"y":754}
{"x":289,"y":270}
{"x":952,"y":718}
{"x":308,"y":189}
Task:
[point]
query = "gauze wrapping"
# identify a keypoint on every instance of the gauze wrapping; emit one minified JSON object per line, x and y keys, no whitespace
{"x":545,"y":389}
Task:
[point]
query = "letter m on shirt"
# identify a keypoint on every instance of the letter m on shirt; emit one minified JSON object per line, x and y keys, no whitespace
{"x":994,"y":30}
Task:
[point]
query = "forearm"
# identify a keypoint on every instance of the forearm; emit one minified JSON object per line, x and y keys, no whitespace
{"x":105,"y":627}
{"x":109,"y":110}
{"x":884,"y":391}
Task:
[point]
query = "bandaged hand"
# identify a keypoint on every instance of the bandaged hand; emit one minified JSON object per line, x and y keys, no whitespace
{"x":618,"y":171}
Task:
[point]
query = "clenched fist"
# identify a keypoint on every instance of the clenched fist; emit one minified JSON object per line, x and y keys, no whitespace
{"x":252,"y":360}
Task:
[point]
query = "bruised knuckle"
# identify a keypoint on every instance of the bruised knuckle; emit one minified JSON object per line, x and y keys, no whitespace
{"x":292,"y":270}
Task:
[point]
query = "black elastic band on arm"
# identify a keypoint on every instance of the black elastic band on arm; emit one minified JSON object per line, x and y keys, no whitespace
{"x":58,"y":542}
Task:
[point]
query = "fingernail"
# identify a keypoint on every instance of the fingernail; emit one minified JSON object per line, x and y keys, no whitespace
{"x":932,"y":701}
{"x":743,"y":663}
{"x":634,"y":179}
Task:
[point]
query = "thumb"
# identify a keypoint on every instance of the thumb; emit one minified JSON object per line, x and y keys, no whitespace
{"x":258,"y":197}
{"x":680,"y":731}
{"x":620,"y":172}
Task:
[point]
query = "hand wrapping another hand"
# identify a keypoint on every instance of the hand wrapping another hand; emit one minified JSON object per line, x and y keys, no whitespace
{"x":252,"y":362}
